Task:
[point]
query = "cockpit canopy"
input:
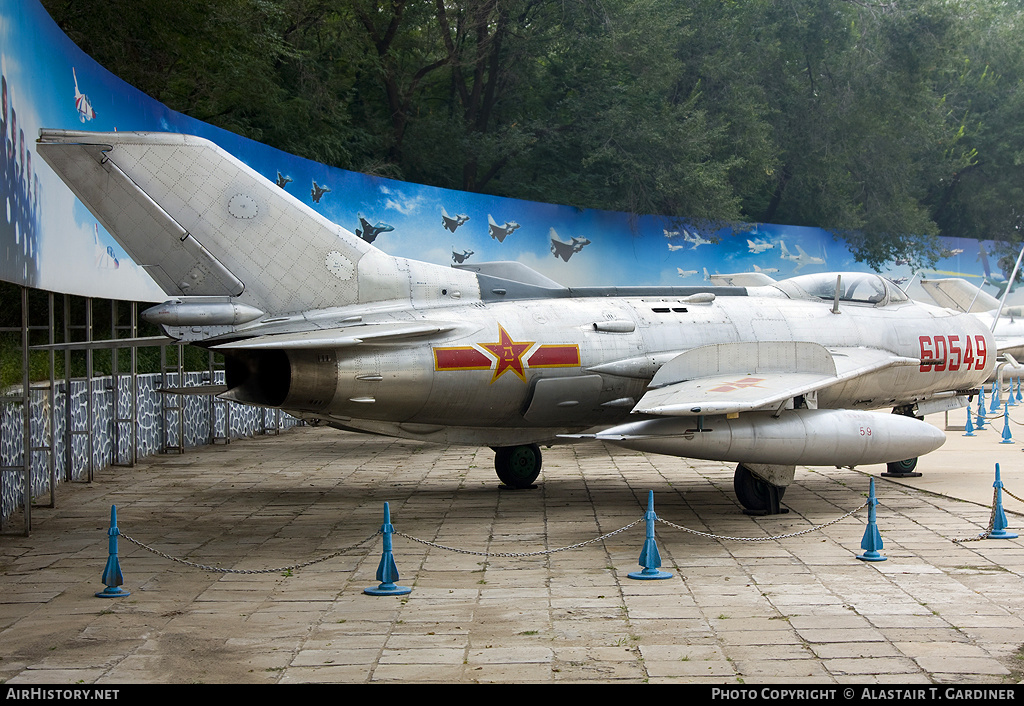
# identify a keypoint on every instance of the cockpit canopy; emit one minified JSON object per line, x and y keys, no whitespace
{"x":854,"y":287}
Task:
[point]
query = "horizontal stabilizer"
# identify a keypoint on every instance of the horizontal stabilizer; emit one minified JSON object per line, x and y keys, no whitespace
{"x":194,"y":390}
{"x":143,"y":342}
{"x":512,"y":271}
{"x":339,"y":338}
{"x":959,"y":294}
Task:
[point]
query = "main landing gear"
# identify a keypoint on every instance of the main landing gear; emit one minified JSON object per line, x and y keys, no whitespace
{"x":756,"y":495}
{"x":517,"y":466}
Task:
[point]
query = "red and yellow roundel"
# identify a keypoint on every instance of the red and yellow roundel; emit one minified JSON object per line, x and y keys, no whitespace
{"x":506,"y":354}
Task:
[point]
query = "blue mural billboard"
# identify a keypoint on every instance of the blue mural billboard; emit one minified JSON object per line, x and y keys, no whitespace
{"x":50,"y":240}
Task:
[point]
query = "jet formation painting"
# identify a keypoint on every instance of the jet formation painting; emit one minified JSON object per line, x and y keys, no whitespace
{"x":317,"y":321}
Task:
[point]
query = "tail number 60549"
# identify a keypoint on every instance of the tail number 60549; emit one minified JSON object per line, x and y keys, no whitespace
{"x":941,"y":353}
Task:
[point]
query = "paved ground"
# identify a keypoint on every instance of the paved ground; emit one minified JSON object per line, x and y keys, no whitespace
{"x":799,"y":609}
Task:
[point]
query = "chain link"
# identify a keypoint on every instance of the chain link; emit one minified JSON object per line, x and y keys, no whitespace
{"x":991,"y":524}
{"x":220,"y":570}
{"x":814,"y":528}
{"x":520,"y":554}
{"x":1007,"y":492}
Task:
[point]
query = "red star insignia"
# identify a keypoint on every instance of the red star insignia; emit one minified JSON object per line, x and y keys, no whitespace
{"x":509,"y":354}
{"x":737,"y":385}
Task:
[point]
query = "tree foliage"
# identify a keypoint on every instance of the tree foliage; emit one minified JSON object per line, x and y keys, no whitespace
{"x":886,"y":122}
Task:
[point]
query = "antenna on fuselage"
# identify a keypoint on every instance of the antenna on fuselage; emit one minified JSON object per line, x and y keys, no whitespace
{"x":835,"y":300}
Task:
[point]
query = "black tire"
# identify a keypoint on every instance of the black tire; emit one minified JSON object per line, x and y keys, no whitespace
{"x":517,"y":466}
{"x":901,"y":467}
{"x":753,"y":493}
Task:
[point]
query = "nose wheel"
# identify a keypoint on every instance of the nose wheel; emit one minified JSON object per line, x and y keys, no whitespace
{"x":518,"y":466}
{"x":901,"y":469}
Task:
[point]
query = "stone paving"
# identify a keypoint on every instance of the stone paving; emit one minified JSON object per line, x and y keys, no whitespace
{"x":797,"y":610}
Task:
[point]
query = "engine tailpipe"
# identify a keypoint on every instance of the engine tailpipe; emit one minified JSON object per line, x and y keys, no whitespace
{"x":807,"y":437}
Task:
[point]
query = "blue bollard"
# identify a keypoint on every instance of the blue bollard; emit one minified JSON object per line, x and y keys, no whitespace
{"x":112,"y":577}
{"x":1019,"y":398}
{"x":872,"y":540}
{"x":1007,"y":436}
{"x":969,"y":428}
{"x":1009,"y":395}
{"x":999,"y":523}
{"x":387,"y":571}
{"x":995,"y":404}
{"x":650,"y":557}
{"x":979,"y":423}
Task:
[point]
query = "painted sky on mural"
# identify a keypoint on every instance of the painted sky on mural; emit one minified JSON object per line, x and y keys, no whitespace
{"x":49,"y":240}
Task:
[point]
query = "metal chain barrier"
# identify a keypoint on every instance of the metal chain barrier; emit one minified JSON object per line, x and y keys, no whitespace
{"x":991,"y":523}
{"x":248,"y":571}
{"x":513,"y":555}
{"x":520,"y":554}
{"x":814,"y":528}
{"x":1007,"y":492}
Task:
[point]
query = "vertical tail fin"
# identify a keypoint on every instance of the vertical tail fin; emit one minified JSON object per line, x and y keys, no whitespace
{"x":203,"y":223}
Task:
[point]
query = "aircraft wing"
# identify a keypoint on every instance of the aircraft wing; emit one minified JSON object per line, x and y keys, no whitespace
{"x":738,"y":377}
{"x":1011,"y":345}
{"x":743,"y":279}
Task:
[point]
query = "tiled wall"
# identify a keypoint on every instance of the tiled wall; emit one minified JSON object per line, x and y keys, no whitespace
{"x":155,"y":427}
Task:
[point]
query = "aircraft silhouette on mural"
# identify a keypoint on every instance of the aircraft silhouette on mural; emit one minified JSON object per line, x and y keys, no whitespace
{"x":450,"y":223}
{"x":801,"y":258}
{"x":317,"y":192}
{"x":564,"y":250}
{"x":460,"y":257}
{"x":82,"y":103}
{"x":501,"y":232}
{"x":369,"y":232}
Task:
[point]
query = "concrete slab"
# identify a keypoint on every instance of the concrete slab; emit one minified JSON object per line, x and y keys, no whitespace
{"x":800,"y":608}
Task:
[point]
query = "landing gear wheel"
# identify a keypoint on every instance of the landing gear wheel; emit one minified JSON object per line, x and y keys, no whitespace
{"x":518,"y":466}
{"x":901,"y":469}
{"x":757,"y":496}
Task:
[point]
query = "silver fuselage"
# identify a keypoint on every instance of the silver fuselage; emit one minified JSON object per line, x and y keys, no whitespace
{"x":519,"y":371}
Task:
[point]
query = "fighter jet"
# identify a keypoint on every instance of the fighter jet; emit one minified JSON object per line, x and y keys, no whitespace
{"x":459,"y":258}
{"x":695,"y":238}
{"x":674,"y":248}
{"x":767,"y":377}
{"x":105,"y":259}
{"x":317,"y":192}
{"x":369,"y":232}
{"x":82,"y":103}
{"x":564,"y":250}
{"x":801,"y":258}
{"x":283,"y":181}
{"x":452,"y":222}
{"x":759,"y":246}
{"x":501,"y":232}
